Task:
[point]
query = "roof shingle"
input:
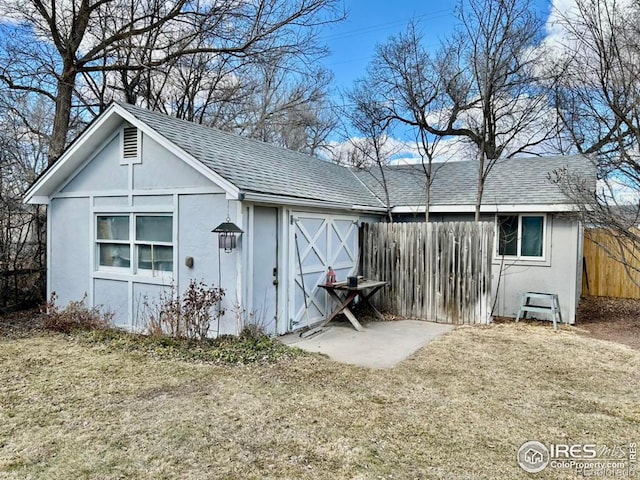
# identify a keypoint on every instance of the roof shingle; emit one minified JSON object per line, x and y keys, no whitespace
{"x":259,"y":167}
{"x":254,"y":166}
{"x":514,"y":181}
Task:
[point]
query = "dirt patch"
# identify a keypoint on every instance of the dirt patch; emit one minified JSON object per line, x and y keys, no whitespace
{"x":614,"y":319}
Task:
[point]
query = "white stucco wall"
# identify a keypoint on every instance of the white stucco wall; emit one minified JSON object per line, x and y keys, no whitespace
{"x":198,"y":215}
{"x":559,"y":272}
{"x":161,"y":183}
{"x":69,"y":249}
{"x":162,"y":169}
{"x":100,"y":173}
{"x":113,"y":296}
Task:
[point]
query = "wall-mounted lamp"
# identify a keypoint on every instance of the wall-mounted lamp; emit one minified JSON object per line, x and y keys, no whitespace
{"x":227,"y":235}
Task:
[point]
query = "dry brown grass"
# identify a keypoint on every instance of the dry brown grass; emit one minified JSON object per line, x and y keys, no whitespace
{"x":459,"y":408}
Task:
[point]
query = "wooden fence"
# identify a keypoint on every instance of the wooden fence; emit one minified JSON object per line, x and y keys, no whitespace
{"x":603,"y":275}
{"x":437,"y":271}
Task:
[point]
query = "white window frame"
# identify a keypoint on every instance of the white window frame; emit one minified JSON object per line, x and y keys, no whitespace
{"x":133,"y":244}
{"x":152,"y":243}
{"x":519,"y":255}
{"x":100,"y":241}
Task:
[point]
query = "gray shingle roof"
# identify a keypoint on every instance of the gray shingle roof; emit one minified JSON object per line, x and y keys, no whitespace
{"x":258,"y":167}
{"x":515,"y":181}
{"x":255,"y":166}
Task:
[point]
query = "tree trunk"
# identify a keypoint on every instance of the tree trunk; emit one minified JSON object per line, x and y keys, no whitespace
{"x":62,"y":117}
{"x":480,"y":186}
{"x":427,"y":200}
{"x":386,"y":193}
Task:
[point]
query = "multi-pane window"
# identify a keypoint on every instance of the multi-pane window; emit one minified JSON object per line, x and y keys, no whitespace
{"x":114,"y":249}
{"x":521,"y":235}
{"x":149,"y":237}
{"x":153,"y":242}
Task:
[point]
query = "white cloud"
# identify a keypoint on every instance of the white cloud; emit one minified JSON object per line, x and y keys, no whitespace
{"x":562,"y":25}
{"x":400,"y":152}
{"x":617,"y":192}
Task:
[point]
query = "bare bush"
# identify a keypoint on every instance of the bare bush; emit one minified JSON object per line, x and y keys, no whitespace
{"x":75,"y":316}
{"x":189,"y":315}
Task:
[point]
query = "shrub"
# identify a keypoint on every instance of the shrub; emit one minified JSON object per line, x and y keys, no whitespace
{"x":253,"y":331}
{"x":187,"y":316}
{"x":251,"y":347}
{"x":75,"y":316}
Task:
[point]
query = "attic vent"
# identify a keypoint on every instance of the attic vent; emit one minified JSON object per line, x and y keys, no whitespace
{"x":130,"y":143}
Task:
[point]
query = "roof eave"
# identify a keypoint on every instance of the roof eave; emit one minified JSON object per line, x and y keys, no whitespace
{"x":71,"y":159}
{"x":41,"y":191}
{"x":230,"y":189}
{"x":275,"y":199}
{"x":501,"y":208}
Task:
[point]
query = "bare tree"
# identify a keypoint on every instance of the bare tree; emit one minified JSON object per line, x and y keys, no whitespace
{"x":407,"y":79}
{"x":597,"y":96}
{"x":286,"y":108}
{"x":495,"y":52}
{"x":271,"y":96}
{"x":481,"y":87}
{"x":22,"y":227}
{"x":51,"y":44}
{"x":370,"y":149}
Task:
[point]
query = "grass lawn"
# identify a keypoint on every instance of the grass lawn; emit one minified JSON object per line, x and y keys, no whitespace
{"x":460,"y":408}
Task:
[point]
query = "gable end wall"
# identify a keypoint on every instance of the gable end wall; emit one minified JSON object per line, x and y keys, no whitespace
{"x":159,"y":182}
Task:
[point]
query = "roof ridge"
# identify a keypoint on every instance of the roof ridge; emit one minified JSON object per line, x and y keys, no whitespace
{"x":499,"y":160}
{"x":351,"y":170}
{"x":515,"y":181}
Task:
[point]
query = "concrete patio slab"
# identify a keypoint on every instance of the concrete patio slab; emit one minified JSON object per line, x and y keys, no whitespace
{"x":380,"y":345}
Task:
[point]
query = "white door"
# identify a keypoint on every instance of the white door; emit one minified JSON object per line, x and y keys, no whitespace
{"x":265,"y":268}
{"x":319,"y":242}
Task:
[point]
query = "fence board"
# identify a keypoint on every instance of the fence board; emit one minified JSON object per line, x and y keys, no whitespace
{"x":436,"y":271}
{"x":603,"y":275}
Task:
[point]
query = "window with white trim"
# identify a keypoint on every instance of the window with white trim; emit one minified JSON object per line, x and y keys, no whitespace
{"x":521,"y":235}
{"x":112,"y":238}
{"x":154,"y":247}
{"x":135,"y":243}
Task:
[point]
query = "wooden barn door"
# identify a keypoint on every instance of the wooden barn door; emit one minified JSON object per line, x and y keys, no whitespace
{"x":318,"y":242}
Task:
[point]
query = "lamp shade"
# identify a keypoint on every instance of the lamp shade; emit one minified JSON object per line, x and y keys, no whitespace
{"x":227,"y":227}
{"x":227,"y":235}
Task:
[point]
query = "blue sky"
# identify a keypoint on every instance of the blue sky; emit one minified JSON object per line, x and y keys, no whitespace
{"x":370,"y":22}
